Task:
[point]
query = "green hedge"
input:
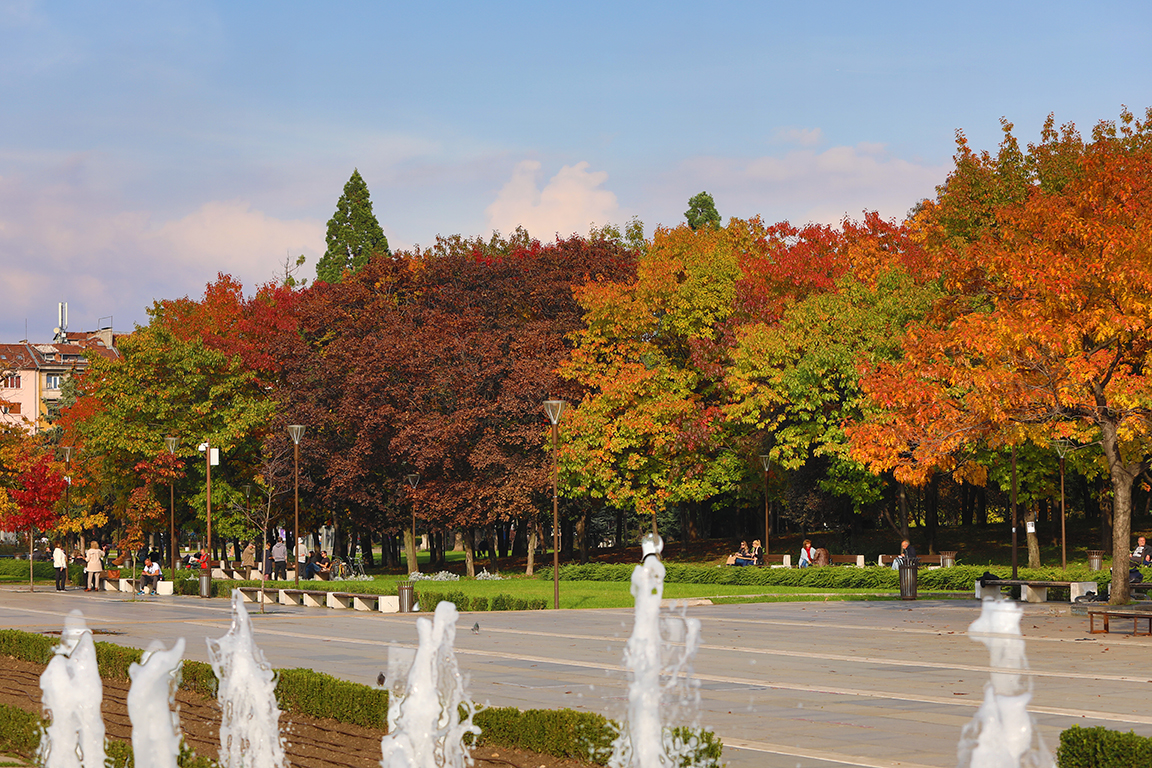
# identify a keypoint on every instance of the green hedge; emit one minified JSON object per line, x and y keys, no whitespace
{"x":429,"y":600}
{"x":1101,"y":748}
{"x":321,"y":695}
{"x":17,"y":570}
{"x":958,"y":578}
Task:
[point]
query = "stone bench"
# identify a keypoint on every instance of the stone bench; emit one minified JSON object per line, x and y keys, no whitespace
{"x":1033,"y":591}
{"x":252,"y":595}
{"x":354,"y":600}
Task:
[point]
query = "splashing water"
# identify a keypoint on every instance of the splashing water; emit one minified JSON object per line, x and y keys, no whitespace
{"x":644,"y":740}
{"x":71,"y":696}
{"x":425,"y":729}
{"x":250,"y":719}
{"x":155,"y":728}
{"x":1002,"y":734}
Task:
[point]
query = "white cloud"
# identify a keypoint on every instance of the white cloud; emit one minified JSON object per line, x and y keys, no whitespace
{"x":569,"y":203}
{"x":64,"y":241}
{"x":805,"y":185}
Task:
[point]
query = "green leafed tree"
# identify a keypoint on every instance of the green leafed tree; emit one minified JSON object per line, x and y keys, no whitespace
{"x":702,"y":212}
{"x":354,"y":235}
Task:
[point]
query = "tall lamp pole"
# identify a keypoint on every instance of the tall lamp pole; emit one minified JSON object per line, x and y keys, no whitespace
{"x":1014,"y":547}
{"x":171,"y":444}
{"x":296,"y":432}
{"x":1062,"y":447}
{"x":413,"y":480}
{"x":554,"y":408}
{"x":766,"y":462}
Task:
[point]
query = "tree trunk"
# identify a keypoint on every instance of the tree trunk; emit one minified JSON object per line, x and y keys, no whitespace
{"x":966,"y":499}
{"x":493,"y":549}
{"x":932,"y":511}
{"x":981,"y":506}
{"x":903,"y":497}
{"x":582,"y":535}
{"x":410,"y":551}
{"x":1123,"y":475}
{"x":469,"y":553}
{"x":530,"y":525}
{"x":1030,"y":520}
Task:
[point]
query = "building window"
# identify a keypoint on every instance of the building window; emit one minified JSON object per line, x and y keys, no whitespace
{"x":10,"y":408}
{"x":12,"y":382}
{"x":52,"y":381}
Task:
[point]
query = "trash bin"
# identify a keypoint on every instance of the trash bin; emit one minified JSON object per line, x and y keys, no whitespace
{"x":947,"y":559}
{"x":404,"y":592}
{"x":205,"y":582}
{"x":908,"y":581}
{"x":1095,"y":559}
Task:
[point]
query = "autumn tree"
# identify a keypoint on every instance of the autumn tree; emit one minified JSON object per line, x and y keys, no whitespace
{"x":31,"y":503}
{"x":1045,"y":331}
{"x":354,"y":235}
{"x":702,"y":212}
{"x":649,"y":431}
{"x":436,"y":362}
{"x":795,"y":376}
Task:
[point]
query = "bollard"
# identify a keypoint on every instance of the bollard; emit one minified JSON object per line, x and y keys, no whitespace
{"x":404,"y":593}
{"x":908,"y":581}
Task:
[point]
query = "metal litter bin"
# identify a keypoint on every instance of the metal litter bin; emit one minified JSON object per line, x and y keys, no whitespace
{"x":205,"y":582}
{"x":908,"y":581}
{"x":404,"y":592}
{"x":947,"y":559}
{"x":1095,"y":559}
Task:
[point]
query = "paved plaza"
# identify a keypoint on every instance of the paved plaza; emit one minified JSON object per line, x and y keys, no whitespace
{"x":783,"y":684}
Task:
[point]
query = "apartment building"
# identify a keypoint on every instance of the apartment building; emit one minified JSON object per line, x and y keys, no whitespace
{"x":31,"y":375}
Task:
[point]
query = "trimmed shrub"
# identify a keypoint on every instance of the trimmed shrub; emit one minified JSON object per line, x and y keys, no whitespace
{"x":113,"y":660}
{"x":19,"y":731}
{"x":560,"y":733}
{"x":1101,"y":748}
{"x":503,"y":602}
{"x":26,"y":646}
{"x":479,"y":603}
{"x":321,"y":695}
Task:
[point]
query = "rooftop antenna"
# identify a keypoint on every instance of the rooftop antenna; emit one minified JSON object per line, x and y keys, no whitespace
{"x":61,"y":330}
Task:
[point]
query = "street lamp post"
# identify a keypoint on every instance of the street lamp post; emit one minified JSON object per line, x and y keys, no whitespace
{"x":1062,"y":447}
{"x":296,"y":432}
{"x":766,"y":462}
{"x":413,"y":480}
{"x":1014,"y":547}
{"x":66,"y":452}
{"x":171,"y":444}
{"x":554,"y":408}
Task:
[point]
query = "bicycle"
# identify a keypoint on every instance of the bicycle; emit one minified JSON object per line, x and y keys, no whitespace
{"x":357,"y":569}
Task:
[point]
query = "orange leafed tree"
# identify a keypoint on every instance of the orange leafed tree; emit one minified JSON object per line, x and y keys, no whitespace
{"x":1046,"y":331}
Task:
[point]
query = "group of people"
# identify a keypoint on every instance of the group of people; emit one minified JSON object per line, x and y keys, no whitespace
{"x":748,"y":556}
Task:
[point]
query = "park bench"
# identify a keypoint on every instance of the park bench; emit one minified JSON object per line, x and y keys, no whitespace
{"x":925,"y":561}
{"x":857,"y":560}
{"x":777,"y":561}
{"x":1105,"y":616}
{"x":354,"y":600}
{"x":312,"y":598}
{"x":1032,"y":591}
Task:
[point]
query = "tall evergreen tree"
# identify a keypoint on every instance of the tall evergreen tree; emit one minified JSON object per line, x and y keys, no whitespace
{"x":354,"y":234}
{"x":702,"y":212}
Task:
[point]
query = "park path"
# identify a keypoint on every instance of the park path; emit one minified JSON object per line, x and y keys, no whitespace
{"x":874,"y":684}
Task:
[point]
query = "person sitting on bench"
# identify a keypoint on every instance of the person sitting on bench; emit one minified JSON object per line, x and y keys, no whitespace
{"x":806,"y":554}
{"x":742,"y":556}
{"x":757,"y":553}
{"x":151,"y":576}
{"x":907,"y":555}
{"x":1142,"y":555}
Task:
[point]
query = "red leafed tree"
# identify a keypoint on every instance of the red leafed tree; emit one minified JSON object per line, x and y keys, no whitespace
{"x":39,"y":488}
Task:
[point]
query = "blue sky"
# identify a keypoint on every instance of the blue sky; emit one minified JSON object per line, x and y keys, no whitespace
{"x":147,"y":146}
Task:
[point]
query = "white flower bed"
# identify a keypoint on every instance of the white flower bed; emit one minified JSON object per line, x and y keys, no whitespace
{"x":485,"y":576}
{"x":442,"y":576}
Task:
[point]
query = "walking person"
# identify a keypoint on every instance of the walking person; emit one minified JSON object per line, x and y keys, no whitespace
{"x":60,"y":563}
{"x":94,"y":566}
{"x":280,"y":559}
